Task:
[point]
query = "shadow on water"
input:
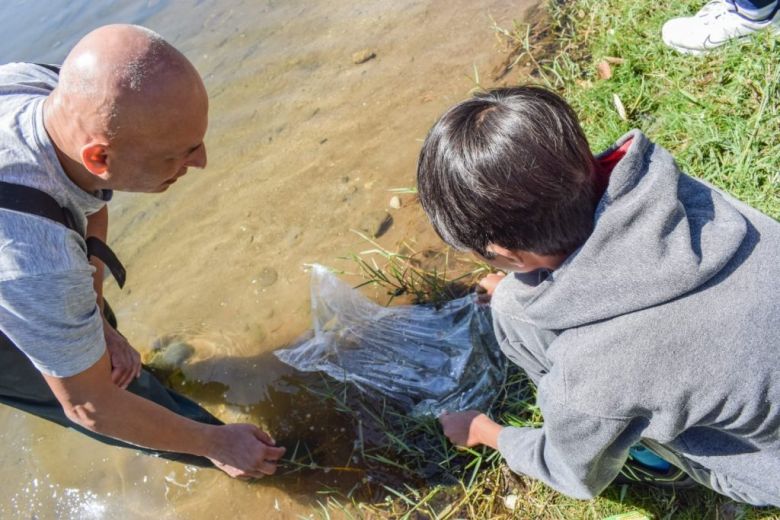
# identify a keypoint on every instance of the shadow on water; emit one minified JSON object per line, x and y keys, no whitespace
{"x":340,"y":440}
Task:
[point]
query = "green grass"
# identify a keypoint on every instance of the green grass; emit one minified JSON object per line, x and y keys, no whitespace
{"x":717,"y":114}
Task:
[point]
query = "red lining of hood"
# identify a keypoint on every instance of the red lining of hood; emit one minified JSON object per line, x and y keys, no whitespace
{"x":605,"y":165}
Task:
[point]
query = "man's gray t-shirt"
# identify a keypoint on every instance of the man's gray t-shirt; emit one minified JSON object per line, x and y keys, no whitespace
{"x":47,"y":300}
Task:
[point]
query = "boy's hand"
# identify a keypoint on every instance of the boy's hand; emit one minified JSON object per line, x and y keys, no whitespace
{"x":470,"y":428}
{"x":487,"y":285}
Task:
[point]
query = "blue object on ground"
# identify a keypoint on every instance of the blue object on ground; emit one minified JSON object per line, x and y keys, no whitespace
{"x":648,"y":458}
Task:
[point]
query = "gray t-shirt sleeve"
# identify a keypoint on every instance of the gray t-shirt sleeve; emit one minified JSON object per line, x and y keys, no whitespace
{"x":54,"y":319}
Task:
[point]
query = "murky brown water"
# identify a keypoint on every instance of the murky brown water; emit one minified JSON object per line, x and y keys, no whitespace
{"x":303,"y":147}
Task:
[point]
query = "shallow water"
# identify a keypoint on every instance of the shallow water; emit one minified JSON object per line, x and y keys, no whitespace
{"x":303,"y":147}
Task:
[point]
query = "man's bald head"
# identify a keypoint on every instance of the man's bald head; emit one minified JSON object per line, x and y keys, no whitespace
{"x":120,"y":70}
{"x":125,"y":88}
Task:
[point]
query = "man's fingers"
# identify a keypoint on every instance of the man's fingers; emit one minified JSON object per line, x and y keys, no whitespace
{"x":127,"y":368}
{"x":125,"y":377}
{"x":129,"y":374}
{"x":136,"y":371}
{"x":116,"y":375}
{"x":272,"y":453}
{"x":267,"y":468}
{"x":264,"y":437}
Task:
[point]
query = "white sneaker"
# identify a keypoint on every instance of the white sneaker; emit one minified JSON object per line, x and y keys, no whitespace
{"x":715,"y":24}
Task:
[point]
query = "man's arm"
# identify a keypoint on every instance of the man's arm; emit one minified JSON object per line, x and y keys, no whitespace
{"x":91,"y":400}
{"x":97,"y":226}
{"x":125,"y":360}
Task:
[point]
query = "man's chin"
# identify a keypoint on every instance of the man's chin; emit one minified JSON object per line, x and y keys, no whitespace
{"x":159,"y":189}
{"x":164,"y":186}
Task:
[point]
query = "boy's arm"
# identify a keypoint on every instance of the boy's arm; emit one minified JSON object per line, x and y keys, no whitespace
{"x":573,"y":452}
{"x":573,"y":462}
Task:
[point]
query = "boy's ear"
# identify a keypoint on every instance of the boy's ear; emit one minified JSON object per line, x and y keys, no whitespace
{"x":523,"y":261}
{"x":94,"y":157}
{"x":510,"y":254}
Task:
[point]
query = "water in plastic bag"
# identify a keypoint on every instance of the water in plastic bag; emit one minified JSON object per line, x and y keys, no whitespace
{"x":426,"y":358}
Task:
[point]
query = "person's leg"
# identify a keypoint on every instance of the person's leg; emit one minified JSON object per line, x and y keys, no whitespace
{"x":756,"y":9}
{"x":645,"y":466}
{"x":724,"y":485}
{"x":718,"y":22}
{"x":24,"y":388}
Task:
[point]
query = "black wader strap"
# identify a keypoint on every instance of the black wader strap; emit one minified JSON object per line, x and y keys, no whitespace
{"x":101,"y":251}
{"x":54,"y":68}
{"x":36,"y":202}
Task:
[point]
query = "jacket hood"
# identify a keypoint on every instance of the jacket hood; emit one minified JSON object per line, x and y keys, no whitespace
{"x":658,"y":234}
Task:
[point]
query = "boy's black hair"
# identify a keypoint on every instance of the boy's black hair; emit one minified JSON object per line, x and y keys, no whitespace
{"x":511,"y":167}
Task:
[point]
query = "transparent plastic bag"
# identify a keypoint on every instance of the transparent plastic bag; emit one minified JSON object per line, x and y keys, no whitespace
{"x":427,"y":359}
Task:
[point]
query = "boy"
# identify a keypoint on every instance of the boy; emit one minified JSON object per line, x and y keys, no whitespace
{"x":640,"y":301}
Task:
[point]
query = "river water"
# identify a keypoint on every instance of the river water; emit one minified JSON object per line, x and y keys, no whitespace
{"x":304,"y":146}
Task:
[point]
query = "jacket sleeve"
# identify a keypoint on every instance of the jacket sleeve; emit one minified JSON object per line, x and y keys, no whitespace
{"x":573,"y":452}
{"x":523,"y":344}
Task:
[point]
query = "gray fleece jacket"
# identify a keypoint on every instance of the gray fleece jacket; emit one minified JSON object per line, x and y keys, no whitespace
{"x":663,"y":326}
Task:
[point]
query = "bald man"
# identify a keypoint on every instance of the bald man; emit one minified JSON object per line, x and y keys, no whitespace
{"x":127,"y":112}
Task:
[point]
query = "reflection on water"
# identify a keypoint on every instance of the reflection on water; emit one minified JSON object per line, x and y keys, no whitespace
{"x":304,"y":145}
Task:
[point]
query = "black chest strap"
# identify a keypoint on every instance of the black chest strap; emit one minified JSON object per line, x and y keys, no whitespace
{"x":36,"y":202}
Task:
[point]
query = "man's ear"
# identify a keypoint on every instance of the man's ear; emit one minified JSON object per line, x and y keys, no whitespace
{"x":94,"y":157}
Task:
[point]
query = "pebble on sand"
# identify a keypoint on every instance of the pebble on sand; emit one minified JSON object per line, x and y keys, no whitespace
{"x":376,"y":223}
{"x":395,"y":202}
{"x":266,"y":277}
{"x":363,"y":56}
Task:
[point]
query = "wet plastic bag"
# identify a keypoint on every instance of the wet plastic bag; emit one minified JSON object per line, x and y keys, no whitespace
{"x":427,"y":359}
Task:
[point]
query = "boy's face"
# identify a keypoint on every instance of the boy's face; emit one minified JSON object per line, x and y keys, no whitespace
{"x":515,"y":260}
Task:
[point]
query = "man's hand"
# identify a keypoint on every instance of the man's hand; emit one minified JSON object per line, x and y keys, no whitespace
{"x":125,"y":360}
{"x":487,"y":285}
{"x":470,"y":428}
{"x":245,"y":451}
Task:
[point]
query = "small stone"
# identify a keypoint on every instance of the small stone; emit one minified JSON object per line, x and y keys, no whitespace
{"x":363,"y":56}
{"x":377,"y":223}
{"x":510,"y":502}
{"x":171,"y":356}
{"x":395,"y":202}
{"x":293,"y":235}
{"x":267,"y":277}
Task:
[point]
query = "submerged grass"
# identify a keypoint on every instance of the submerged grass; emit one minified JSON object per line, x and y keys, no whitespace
{"x":717,"y":114}
{"x":421,"y":276}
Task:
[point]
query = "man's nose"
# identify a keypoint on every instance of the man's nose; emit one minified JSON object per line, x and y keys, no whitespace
{"x":197,"y":158}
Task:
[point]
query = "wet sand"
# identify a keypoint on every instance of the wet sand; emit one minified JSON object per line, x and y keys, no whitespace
{"x":303,"y":146}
